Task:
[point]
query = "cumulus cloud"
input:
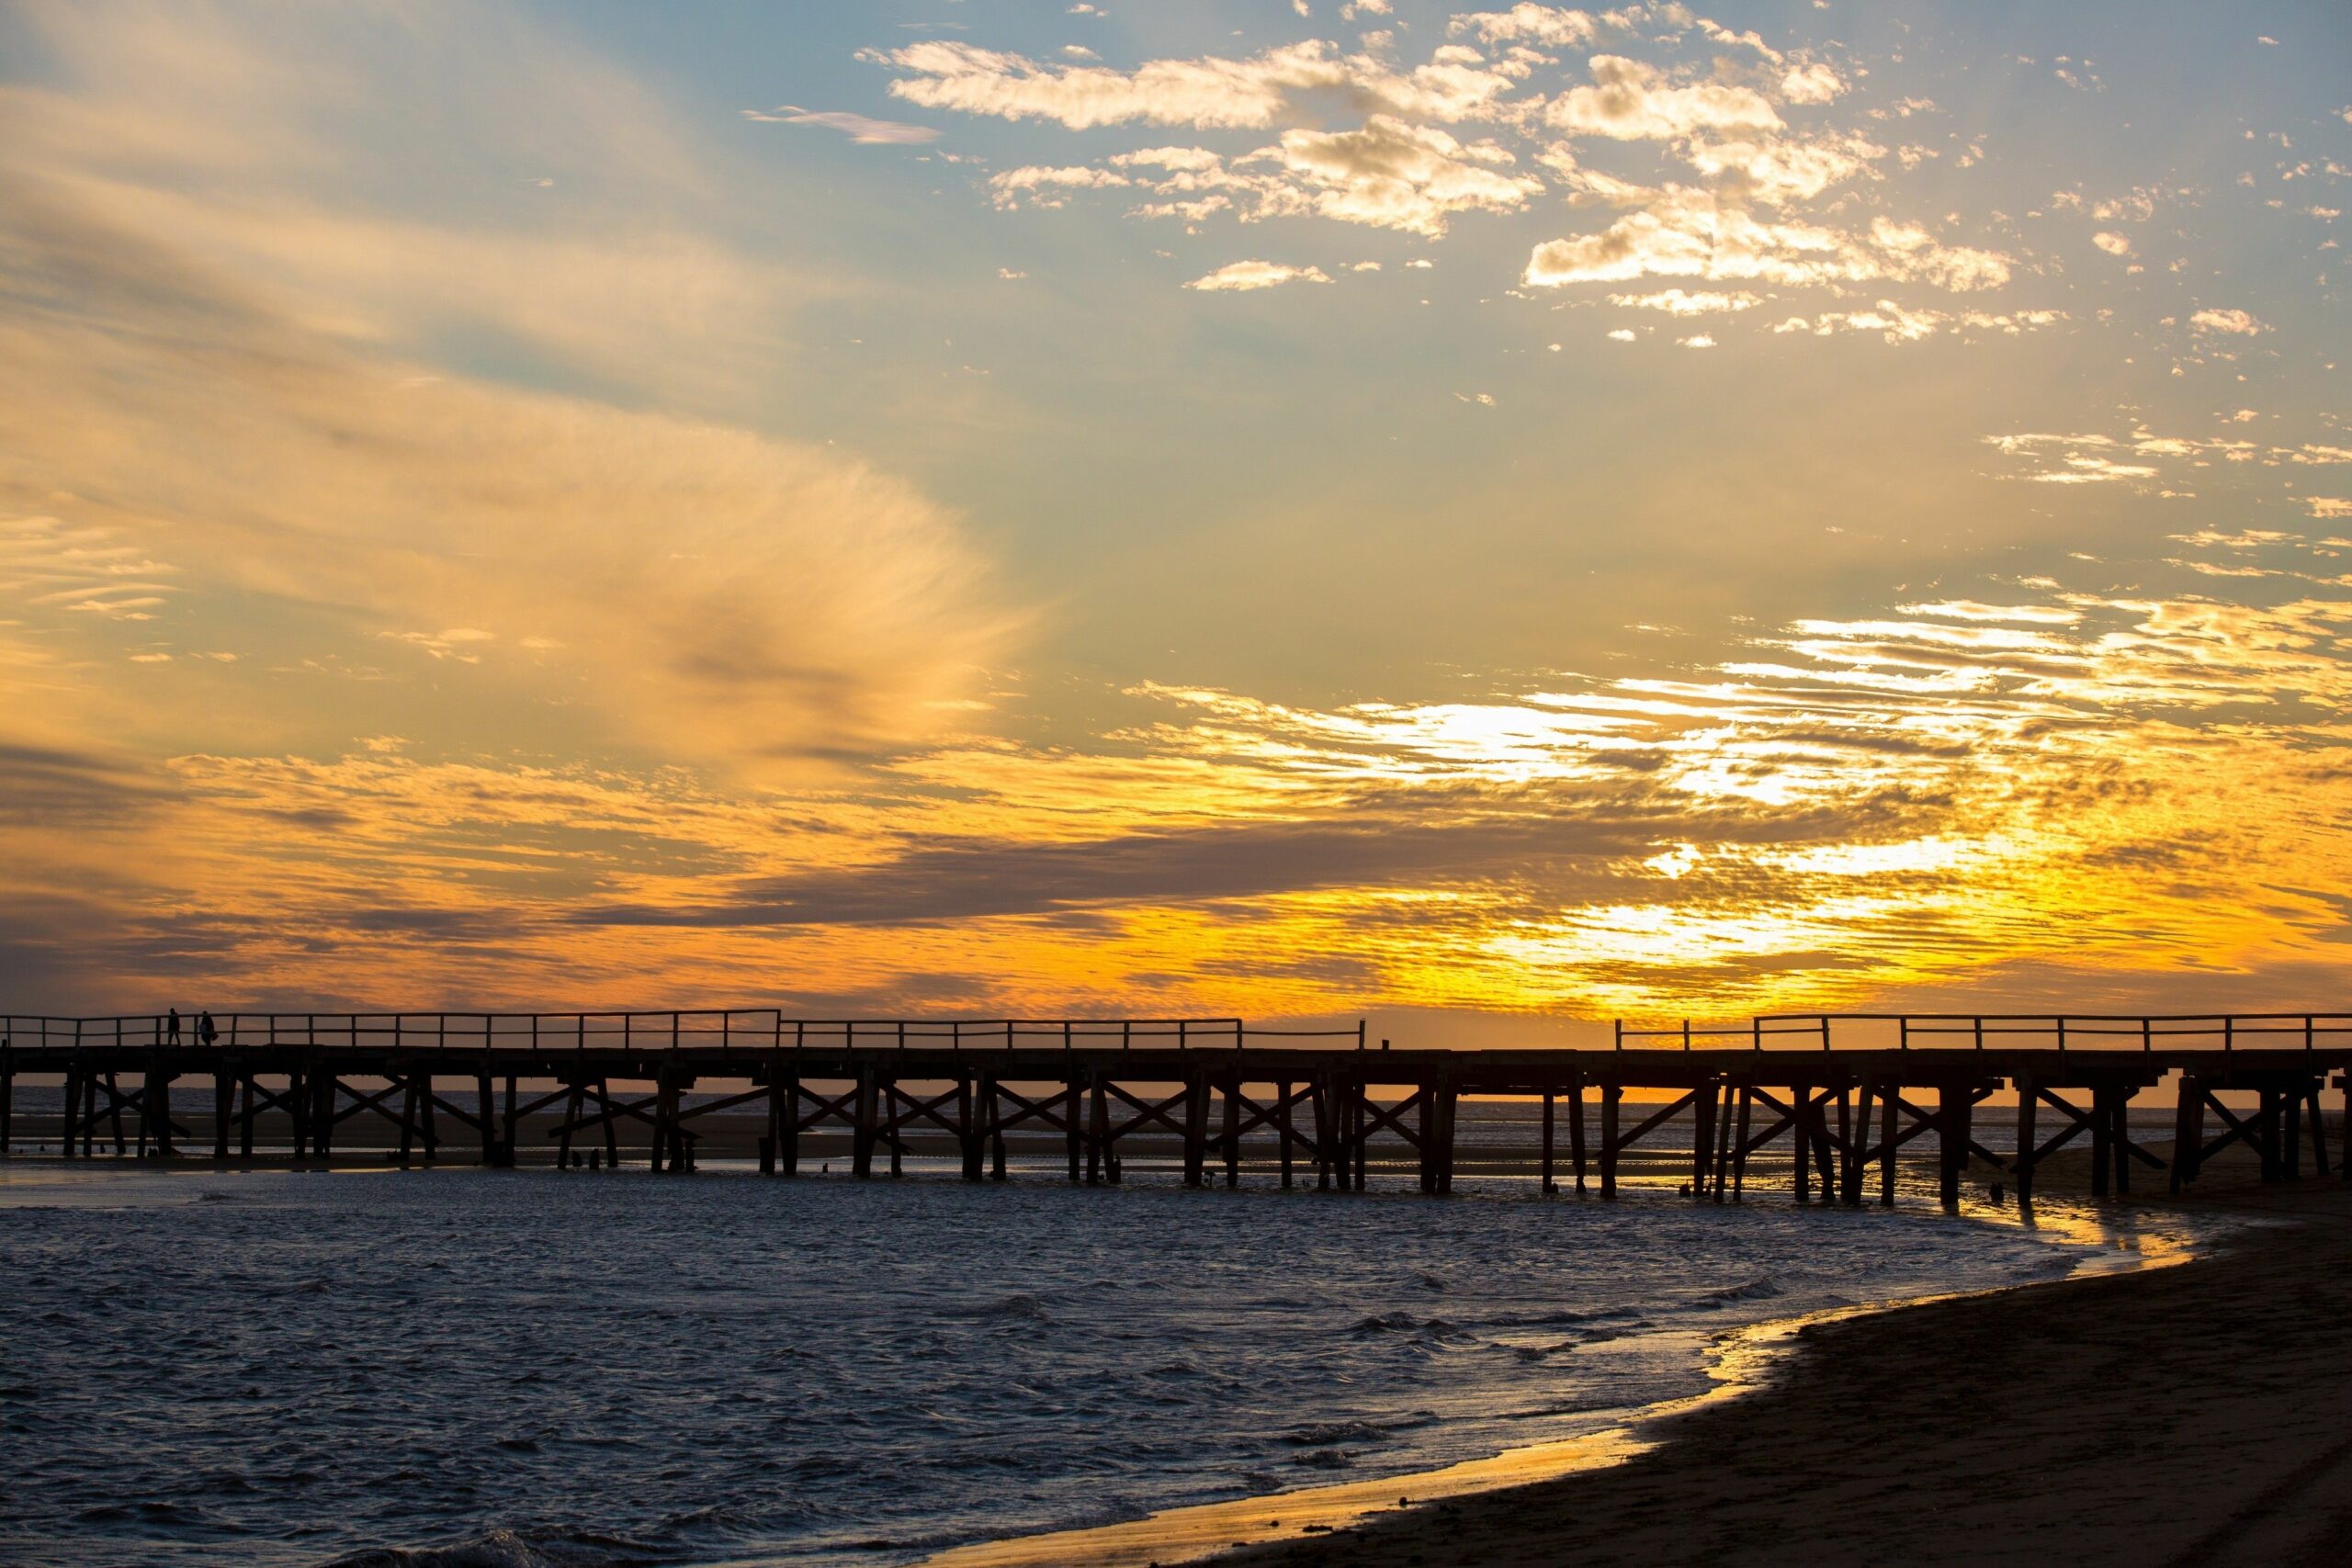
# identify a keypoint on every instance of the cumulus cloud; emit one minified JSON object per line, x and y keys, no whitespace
{"x":1398,"y":176}
{"x":1244,"y":276}
{"x":1041,"y":185}
{"x":1676,"y":303}
{"x":2114,"y":245}
{"x":2240,"y":323}
{"x":1629,"y":100}
{"x":1689,"y":232}
{"x":1813,"y":84}
{"x":1212,"y":92}
{"x":1545,"y":25}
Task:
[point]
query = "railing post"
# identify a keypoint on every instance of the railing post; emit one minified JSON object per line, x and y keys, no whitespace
{"x":1686,"y":1035}
{"x":2228,"y":1034}
{"x":1359,"y":1034}
{"x":1617,"y":1027}
{"x":2147,"y":1034}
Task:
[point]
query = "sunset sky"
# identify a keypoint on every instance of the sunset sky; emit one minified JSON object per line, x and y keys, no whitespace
{"x":1485,"y":518}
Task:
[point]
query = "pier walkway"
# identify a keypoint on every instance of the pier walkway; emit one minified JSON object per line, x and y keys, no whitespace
{"x":1839,"y":1097}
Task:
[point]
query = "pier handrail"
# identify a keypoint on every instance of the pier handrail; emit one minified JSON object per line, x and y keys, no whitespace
{"x":2145,"y":1033}
{"x":748,"y":1030}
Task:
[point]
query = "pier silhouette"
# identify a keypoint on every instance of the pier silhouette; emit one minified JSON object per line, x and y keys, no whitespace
{"x":1839,"y":1097}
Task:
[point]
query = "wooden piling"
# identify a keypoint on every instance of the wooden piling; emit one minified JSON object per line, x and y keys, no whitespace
{"x":2119,"y":1139}
{"x":1098,"y":1133}
{"x":2021,"y":1165}
{"x":408,"y":1117}
{"x":1229,"y":1137}
{"x":8,"y":1094}
{"x":1611,"y":1095}
{"x":1282,"y":1126}
{"x":1359,"y":1132}
{"x":1196,"y":1125}
{"x":994,"y":1116}
{"x":2102,"y":1137}
{"x":1739,"y":1143}
{"x":320,"y":1123}
{"x":862,"y":1133}
{"x":2291,"y":1121}
{"x":1723,"y":1143}
{"x":298,"y":1103}
{"x":1887,"y":1114}
{"x":1702,"y":1136}
{"x":1549,"y":1186}
{"x":1447,"y":1113}
{"x":156,"y":1106}
{"x":1801,"y":1109}
{"x":73,"y":1107}
{"x":969,"y":1142}
{"x":1576,"y":1128}
{"x":2183,"y":1146}
{"x":225,"y":1106}
{"x":1953,"y":1130}
{"x":571,"y":1109}
{"x":487,"y":1111}
{"x":1428,"y":1135}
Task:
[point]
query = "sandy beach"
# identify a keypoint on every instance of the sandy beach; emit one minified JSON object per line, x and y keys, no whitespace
{"x":2197,"y":1414}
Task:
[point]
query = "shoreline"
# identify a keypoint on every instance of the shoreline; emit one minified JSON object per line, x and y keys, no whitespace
{"x":1740,"y":1363}
{"x":1863,"y":1424}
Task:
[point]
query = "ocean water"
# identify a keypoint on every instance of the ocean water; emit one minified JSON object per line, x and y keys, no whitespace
{"x":466,"y":1367}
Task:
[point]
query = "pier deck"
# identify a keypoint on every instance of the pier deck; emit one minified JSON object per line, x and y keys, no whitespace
{"x":1841,"y":1098}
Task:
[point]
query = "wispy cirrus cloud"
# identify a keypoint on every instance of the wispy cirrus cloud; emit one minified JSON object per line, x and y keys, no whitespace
{"x":861,"y":129}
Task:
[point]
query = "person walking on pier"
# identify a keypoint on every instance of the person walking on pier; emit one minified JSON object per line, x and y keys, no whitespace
{"x":205,"y":1033}
{"x":172,"y":1029}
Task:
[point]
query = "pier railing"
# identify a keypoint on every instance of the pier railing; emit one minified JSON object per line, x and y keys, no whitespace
{"x":2144,"y":1032}
{"x":727,"y":1029}
{"x":752,"y":1030}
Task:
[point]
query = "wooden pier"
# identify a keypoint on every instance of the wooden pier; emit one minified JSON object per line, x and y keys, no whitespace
{"x":1840,"y":1098}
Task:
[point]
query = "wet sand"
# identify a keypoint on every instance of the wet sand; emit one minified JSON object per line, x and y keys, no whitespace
{"x":2194,"y":1414}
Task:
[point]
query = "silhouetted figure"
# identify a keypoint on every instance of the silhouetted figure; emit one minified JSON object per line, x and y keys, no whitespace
{"x":206,"y":1030}
{"x":172,"y":1029}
